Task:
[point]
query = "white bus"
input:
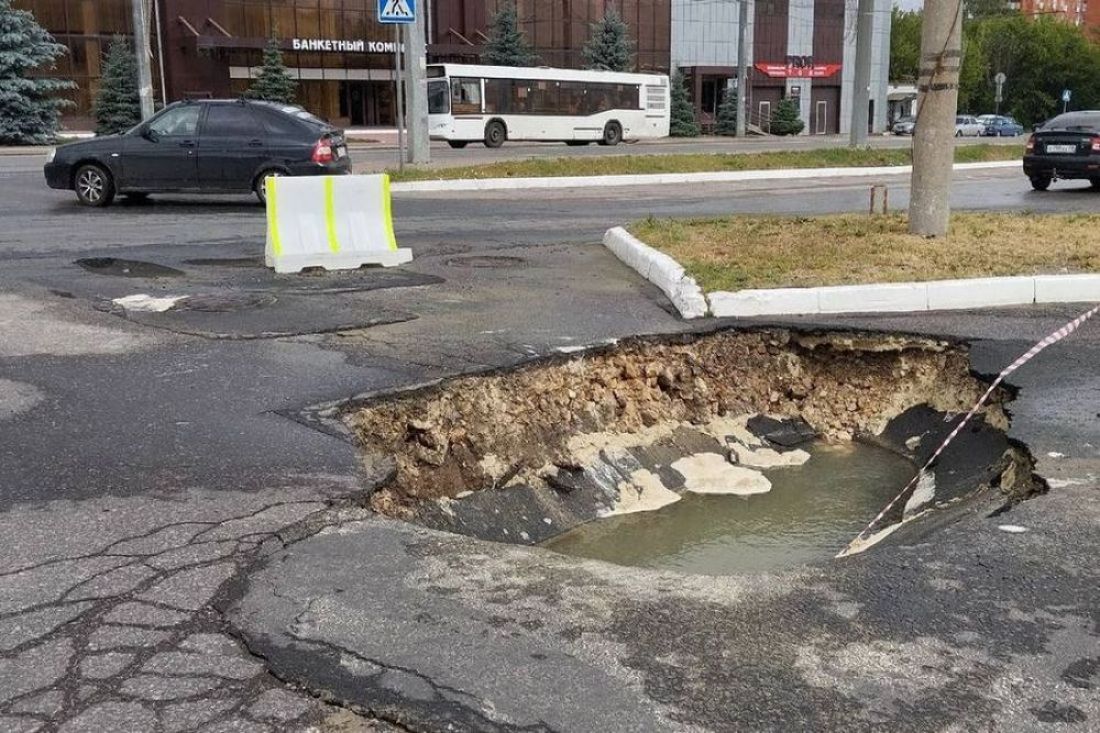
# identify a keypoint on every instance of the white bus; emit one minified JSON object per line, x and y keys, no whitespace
{"x":492,"y":104}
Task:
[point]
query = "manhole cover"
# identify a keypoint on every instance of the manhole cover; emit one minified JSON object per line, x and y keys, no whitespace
{"x":224,"y":303}
{"x":487,"y":261}
{"x":127,"y":268}
{"x":227,"y":262}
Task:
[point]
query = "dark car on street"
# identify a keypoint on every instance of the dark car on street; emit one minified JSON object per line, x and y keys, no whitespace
{"x":1066,"y":147}
{"x":205,"y":146}
{"x":999,"y":126}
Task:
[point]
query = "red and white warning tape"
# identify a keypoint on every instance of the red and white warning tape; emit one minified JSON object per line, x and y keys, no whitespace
{"x":1050,"y":340}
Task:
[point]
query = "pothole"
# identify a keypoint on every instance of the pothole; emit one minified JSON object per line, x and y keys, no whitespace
{"x":486,"y":261}
{"x":127,"y":268}
{"x":228,"y":303}
{"x":730,"y":452}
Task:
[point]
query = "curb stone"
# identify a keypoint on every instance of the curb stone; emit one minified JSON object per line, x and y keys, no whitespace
{"x":660,"y":269}
{"x":665,"y":179}
{"x":908,"y":297}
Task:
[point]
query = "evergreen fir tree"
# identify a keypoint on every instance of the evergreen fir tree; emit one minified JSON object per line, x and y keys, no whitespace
{"x":786,"y":121}
{"x":117,"y":106}
{"x":274,"y":83}
{"x":683,"y":122}
{"x":609,"y":47}
{"x":727,"y":114}
{"x":29,"y":105}
{"x":507,"y":45}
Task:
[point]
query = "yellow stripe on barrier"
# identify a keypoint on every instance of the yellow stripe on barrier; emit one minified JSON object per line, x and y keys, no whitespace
{"x":272,"y":216}
{"x":387,"y":202}
{"x":330,"y":216}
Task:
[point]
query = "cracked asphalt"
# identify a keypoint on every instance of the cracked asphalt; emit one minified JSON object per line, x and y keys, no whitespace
{"x":145,"y":470}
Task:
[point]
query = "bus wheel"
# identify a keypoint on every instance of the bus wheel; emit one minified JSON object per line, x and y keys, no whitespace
{"x":612,"y":134}
{"x":457,"y":144}
{"x":495,"y":134}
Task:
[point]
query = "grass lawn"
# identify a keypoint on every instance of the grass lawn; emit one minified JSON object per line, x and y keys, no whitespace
{"x":739,"y":252}
{"x":610,"y":165}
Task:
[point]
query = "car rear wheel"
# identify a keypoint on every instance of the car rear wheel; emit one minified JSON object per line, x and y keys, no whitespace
{"x":958,"y":133}
{"x":495,"y":134}
{"x":457,"y":144}
{"x":612,"y":134}
{"x":258,"y":186}
{"x":1041,"y":183}
{"x":94,"y":186}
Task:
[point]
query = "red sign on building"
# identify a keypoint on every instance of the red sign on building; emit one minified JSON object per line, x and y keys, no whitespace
{"x":792,"y":71}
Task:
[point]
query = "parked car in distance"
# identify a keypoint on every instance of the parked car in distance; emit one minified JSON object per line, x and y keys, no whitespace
{"x":1066,"y":147}
{"x":968,"y":126}
{"x":904,"y":126}
{"x":202,"y":146}
{"x":1000,"y":126}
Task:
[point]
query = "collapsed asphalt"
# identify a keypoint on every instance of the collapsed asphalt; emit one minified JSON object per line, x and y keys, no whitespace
{"x":144,"y":468}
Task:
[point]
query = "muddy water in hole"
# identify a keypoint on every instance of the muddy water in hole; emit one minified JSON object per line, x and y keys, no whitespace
{"x":811,"y":513}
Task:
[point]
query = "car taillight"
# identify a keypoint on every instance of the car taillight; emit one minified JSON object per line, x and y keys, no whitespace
{"x":1030,"y":144}
{"x":322,"y":151}
{"x":1096,"y":143}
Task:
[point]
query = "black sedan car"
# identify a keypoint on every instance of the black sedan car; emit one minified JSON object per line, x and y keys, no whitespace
{"x":200,"y":147}
{"x":1066,"y":147}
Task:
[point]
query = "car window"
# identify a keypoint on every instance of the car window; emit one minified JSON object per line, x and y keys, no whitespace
{"x":1075,"y":121}
{"x":279,"y":125}
{"x":177,"y":122}
{"x":297,"y":113}
{"x":230,"y":120}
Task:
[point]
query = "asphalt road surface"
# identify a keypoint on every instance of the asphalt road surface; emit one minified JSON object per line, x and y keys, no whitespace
{"x":40,"y":220}
{"x":146,"y":462}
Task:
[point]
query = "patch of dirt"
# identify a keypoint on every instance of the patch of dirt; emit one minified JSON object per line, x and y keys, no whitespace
{"x":480,"y":432}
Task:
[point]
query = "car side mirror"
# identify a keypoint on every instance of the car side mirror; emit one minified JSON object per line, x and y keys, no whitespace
{"x":150,"y":134}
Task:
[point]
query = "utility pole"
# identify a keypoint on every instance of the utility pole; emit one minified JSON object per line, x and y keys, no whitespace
{"x":742,"y":66}
{"x":399,"y":88}
{"x":416,"y":89}
{"x":861,"y":87}
{"x":141,"y":51}
{"x":937,"y":104}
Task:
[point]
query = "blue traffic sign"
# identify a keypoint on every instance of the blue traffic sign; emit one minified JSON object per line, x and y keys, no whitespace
{"x":396,"y":11}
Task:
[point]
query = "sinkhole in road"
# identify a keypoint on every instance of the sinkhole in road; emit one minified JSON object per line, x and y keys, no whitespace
{"x":723,"y":452}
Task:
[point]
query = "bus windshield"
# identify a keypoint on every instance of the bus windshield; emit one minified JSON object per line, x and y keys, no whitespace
{"x":439,"y":98}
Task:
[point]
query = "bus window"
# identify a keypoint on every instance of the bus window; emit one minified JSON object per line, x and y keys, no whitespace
{"x":465,"y":96}
{"x":439,"y":101}
{"x":498,"y":96}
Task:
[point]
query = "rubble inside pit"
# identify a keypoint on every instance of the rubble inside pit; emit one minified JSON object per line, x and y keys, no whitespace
{"x":525,"y":454}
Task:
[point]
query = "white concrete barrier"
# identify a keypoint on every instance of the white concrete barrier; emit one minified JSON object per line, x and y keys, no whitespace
{"x":980,"y":292}
{"x":334,"y":222}
{"x":1067,"y":288}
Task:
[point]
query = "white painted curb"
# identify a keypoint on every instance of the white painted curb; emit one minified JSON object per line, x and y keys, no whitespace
{"x":665,"y":179}
{"x":984,"y":292}
{"x":660,"y":269}
{"x":965,"y":294}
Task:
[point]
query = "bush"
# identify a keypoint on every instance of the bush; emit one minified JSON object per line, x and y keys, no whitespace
{"x":117,"y":105}
{"x":786,"y":121}
{"x":683,"y":122}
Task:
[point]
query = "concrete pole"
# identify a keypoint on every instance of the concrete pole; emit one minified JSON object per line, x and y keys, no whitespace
{"x":861,"y":87}
{"x":399,"y":89}
{"x":937,"y":104}
{"x":141,"y":51}
{"x":416,"y":90}
{"x":743,"y":61}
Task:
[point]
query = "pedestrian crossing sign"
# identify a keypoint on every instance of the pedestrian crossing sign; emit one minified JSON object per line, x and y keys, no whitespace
{"x":396,"y":11}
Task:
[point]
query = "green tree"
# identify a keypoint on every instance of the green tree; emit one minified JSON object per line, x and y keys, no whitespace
{"x":507,"y":45}
{"x":1039,"y":56}
{"x":904,"y":45}
{"x":29,"y":103}
{"x":274,"y":83}
{"x":786,"y":120}
{"x":682,"y":111}
{"x":727,"y":114}
{"x":117,"y":106}
{"x":609,"y":47}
